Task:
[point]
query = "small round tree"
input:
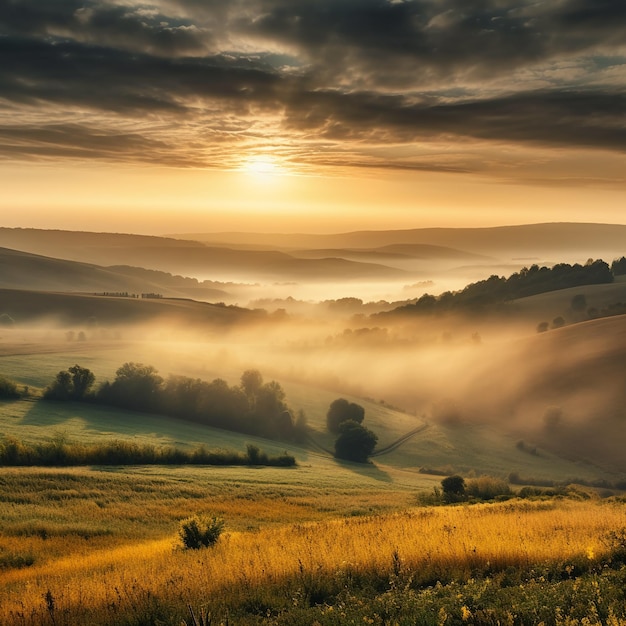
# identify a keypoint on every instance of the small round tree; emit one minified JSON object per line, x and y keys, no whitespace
{"x":340,"y":411}
{"x":355,"y":442}
{"x":453,"y":488}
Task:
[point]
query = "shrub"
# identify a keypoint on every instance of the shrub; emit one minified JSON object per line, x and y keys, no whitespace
{"x":255,"y":455}
{"x":558,"y":322}
{"x":200,"y":531}
{"x":453,"y":488}
{"x":8,"y":389}
{"x":487,"y":488}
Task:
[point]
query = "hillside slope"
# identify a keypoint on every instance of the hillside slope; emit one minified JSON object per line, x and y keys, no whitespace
{"x":67,"y":309}
{"x":563,"y":390}
{"x":560,"y":241}
{"x":189,"y":258}
{"x":23,"y":270}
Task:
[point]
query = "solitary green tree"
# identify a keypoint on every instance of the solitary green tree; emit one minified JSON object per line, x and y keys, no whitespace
{"x":355,"y":442}
{"x":453,"y":488}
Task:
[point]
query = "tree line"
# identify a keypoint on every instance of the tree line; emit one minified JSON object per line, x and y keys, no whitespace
{"x":529,"y":281}
{"x":253,"y":407}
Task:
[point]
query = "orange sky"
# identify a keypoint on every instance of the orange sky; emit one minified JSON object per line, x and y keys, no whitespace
{"x":179,"y":116}
{"x":163,"y":200}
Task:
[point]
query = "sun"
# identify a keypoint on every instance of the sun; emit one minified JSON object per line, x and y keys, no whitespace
{"x":262,"y":166}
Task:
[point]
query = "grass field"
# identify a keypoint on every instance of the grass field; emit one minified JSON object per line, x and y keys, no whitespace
{"x":86,"y":546}
{"x":323,"y":543}
{"x":473,"y":449}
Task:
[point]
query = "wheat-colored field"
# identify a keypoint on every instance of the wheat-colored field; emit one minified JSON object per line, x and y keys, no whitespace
{"x":291,"y":540}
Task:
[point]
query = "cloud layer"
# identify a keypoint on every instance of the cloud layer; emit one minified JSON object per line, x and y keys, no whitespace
{"x":316,"y":82}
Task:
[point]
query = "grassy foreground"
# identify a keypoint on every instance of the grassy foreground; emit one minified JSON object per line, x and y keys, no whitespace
{"x":325,"y":543}
{"x":100,"y":547}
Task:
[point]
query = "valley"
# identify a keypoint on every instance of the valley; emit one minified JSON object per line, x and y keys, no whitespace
{"x":486,"y":393}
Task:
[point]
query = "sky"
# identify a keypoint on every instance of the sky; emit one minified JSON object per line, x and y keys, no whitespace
{"x":311,"y":115}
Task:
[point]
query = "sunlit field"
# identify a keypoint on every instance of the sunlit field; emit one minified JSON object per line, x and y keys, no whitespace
{"x":312,"y":313}
{"x":286,"y":549}
{"x":328,"y":541}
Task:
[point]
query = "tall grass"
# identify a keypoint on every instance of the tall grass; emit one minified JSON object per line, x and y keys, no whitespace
{"x":9,"y":389}
{"x":61,"y":452}
{"x":268,"y":572}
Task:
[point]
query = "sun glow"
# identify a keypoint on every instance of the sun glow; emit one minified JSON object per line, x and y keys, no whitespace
{"x":262,"y":165}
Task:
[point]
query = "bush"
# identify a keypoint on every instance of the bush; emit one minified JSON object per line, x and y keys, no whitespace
{"x":255,"y":456}
{"x":200,"y":532}
{"x":8,"y":389}
{"x":453,"y":488}
{"x":487,"y":488}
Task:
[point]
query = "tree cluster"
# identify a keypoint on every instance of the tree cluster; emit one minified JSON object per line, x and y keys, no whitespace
{"x":74,"y":383}
{"x":354,"y":441}
{"x":529,"y":281}
{"x":253,"y":407}
{"x":618,"y":267}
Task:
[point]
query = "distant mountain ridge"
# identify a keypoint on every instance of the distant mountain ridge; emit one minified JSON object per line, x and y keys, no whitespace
{"x":368,"y":264}
{"x":510,"y":241}
{"x":189,"y":258}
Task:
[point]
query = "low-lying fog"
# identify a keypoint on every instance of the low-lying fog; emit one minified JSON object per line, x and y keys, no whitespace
{"x":562,"y":389}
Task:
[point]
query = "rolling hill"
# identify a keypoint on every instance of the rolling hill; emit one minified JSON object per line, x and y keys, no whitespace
{"x":189,"y":258}
{"x":22,"y":270}
{"x":559,"y":241}
{"x":68,"y":309}
{"x":474,"y":448}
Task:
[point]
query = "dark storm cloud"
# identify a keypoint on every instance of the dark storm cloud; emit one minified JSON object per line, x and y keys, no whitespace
{"x":392,"y":38}
{"x":72,"y":73}
{"x":106,"y":24}
{"x":546,"y":117}
{"x":358,"y":71}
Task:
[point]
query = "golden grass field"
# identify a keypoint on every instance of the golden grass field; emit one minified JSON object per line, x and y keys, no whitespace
{"x":99,"y":546}
{"x":287,"y":544}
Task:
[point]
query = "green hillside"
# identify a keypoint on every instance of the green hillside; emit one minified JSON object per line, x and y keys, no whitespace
{"x":470,"y":449}
{"x":70,"y":308}
{"x":23,"y":270}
